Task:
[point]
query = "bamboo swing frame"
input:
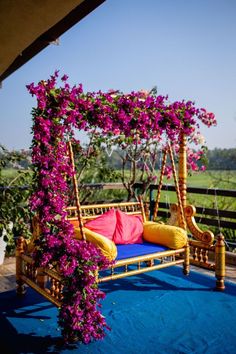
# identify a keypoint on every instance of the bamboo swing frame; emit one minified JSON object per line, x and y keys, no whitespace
{"x":48,"y":282}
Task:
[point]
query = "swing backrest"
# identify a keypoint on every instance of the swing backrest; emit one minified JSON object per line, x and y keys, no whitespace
{"x":89,"y":212}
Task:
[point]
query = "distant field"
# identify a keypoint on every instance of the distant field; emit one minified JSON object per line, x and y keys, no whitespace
{"x":213,"y":179}
{"x":210,"y":179}
{"x":207,"y":179}
{"x":9,"y":172}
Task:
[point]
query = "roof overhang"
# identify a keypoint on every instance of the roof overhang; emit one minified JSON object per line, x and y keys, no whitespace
{"x":27,"y":27}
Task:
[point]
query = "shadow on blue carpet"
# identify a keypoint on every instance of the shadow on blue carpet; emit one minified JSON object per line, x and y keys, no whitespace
{"x":160,"y":312}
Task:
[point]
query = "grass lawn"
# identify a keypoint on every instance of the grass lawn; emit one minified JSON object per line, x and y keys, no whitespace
{"x":9,"y":173}
{"x":207,"y":179}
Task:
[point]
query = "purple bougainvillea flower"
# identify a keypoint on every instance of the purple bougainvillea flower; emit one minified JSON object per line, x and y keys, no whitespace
{"x":128,"y":118}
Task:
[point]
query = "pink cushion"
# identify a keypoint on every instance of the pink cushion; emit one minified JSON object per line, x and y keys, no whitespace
{"x":129,"y":229}
{"x":104,"y":224}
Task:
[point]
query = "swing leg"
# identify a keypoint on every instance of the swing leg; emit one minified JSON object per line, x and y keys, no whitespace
{"x":20,"y":287}
{"x":220,"y":262}
{"x":186,"y":265}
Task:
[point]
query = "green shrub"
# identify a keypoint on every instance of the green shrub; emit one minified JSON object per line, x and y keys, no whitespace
{"x":15,"y":188}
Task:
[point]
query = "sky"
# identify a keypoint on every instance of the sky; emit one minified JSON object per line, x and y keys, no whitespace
{"x":187,"y":48}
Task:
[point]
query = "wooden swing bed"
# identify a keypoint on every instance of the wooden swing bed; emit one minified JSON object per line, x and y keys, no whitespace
{"x":131,"y":259}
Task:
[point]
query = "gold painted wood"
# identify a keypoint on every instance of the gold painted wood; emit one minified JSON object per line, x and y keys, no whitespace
{"x":203,"y":240}
{"x":139,"y":271}
{"x":220,"y":262}
{"x":204,"y":236}
{"x":43,"y":292}
{"x":53,"y":291}
{"x":76,"y":190}
{"x":163,"y":165}
{"x":205,"y":265}
{"x":186,"y":265}
{"x":148,"y":257}
{"x":89,"y":212}
{"x":20,"y":248}
{"x":183,"y":169}
{"x":49,"y":283}
{"x":53,"y":274}
{"x":182,"y":222}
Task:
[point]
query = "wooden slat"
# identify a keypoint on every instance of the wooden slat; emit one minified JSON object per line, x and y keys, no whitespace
{"x":148,"y":257}
{"x":140,"y":271}
{"x":195,"y":190}
{"x":41,"y":291}
{"x":213,"y":212}
{"x":215,"y":222}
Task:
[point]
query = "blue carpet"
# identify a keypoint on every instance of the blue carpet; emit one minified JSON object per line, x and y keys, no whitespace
{"x":157,"y":312}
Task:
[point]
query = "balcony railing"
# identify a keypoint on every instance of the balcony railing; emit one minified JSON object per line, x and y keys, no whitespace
{"x":218,"y":219}
{"x":206,"y":216}
{"x":213,"y":217}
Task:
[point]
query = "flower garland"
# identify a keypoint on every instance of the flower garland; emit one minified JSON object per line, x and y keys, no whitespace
{"x":130,"y":118}
{"x":77,"y":261}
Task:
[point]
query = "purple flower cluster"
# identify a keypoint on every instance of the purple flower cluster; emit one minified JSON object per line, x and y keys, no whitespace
{"x":77,"y":261}
{"x":129,"y":117}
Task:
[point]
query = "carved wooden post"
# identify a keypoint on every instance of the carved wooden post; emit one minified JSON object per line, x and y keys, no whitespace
{"x":20,"y":288}
{"x":186,"y":267}
{"x":220,"y":262}
{"x":41,"y":278}
{"x":183,"y":170}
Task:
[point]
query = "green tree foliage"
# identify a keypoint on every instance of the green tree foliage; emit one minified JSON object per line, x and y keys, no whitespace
{"x":14,"y":196}
{"x":222,"y":159}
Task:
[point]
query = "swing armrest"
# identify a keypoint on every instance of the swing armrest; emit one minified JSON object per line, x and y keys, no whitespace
{"x":107,"y":247}
{"x":207,"y":237}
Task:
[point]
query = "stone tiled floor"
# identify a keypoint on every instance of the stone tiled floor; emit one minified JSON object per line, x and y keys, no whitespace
{"x":7,"y":274}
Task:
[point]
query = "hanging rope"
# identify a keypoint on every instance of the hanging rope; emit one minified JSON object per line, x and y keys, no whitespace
{"x":182,"y":218}
{"x":168,"y":149}
{"x":163,"y":165}
{"x":76,"y":190}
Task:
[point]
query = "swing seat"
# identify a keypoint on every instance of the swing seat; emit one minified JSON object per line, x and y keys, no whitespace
{"x":159,"y":245}
{"x":155,"y":238}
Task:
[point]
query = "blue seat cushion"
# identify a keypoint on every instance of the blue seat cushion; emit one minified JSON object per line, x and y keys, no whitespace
{"x":138,"y":249}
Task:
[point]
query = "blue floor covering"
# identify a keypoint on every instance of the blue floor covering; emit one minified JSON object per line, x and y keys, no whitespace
{"x":157,"y":312}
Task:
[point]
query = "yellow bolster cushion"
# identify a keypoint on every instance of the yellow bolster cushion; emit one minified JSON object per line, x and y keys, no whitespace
{"x":166,"y":235}
{"x":107,"y":247}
